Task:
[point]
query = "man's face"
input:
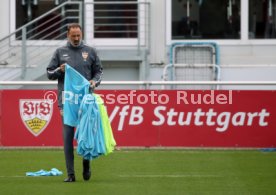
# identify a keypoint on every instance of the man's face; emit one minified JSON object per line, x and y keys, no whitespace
{"x":75,"y":36}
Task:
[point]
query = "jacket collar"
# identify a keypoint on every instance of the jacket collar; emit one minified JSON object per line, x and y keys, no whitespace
{"x":71,"y":46}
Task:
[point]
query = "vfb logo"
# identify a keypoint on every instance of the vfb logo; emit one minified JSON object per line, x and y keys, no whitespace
{"x":36,"y":114}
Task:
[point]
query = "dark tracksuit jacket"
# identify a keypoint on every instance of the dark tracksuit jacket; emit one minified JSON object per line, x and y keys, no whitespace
{"x":83,"y":58}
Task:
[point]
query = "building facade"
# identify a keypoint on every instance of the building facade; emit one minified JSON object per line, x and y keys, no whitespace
{"x":134,"y":37}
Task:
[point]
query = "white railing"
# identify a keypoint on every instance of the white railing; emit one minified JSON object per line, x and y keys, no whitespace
{"x":148,"y":83}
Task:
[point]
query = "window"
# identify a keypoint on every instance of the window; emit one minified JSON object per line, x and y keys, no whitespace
{"x":50,"y":27}
{"x":262,"y":17}
{"x":105,"y":23}
{"x":115,"y":20}
{"x":205,"y":19}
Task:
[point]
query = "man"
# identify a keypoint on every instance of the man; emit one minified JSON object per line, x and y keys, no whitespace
{"x":85,"y":60}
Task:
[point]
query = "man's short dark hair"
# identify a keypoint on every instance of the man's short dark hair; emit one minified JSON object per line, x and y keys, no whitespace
{"x":73,"y":25}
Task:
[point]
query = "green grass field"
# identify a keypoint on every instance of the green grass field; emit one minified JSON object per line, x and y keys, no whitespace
{"x":143,"y":172}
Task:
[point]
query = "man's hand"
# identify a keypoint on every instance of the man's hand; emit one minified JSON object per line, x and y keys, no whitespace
{"x":62,"y":67}
{"x":92,"y":84}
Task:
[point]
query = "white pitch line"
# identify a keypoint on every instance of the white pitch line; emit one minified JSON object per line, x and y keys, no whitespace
{"x":13,"y":176}
{"x":167,"y":176}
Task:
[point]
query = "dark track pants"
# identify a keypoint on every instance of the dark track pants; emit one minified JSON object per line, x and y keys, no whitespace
{"x":68,"y":137}
{"x":68,"y":146}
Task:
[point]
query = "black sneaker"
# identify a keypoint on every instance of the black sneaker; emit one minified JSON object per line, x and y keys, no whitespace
{"x":86,"y":170}
{"x":70,"y":178}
